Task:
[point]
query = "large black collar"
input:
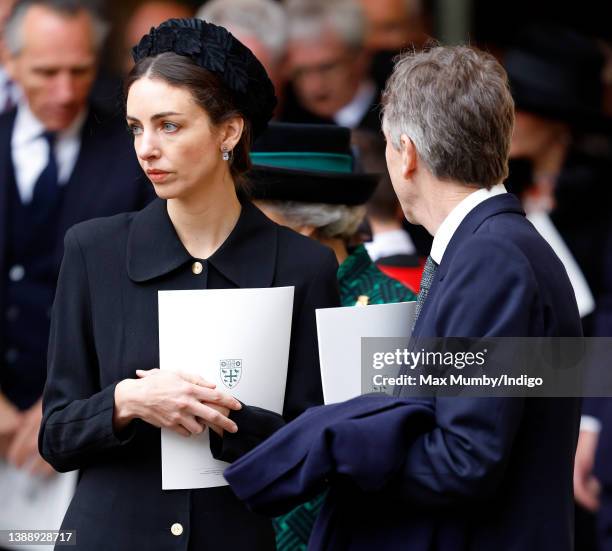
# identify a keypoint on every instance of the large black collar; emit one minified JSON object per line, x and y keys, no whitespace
{"x":247,"y":257}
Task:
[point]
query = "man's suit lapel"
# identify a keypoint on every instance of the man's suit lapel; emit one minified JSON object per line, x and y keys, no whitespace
{"x":7,"y":121}
{"x":80,"y":189}
{"x":505,"y":203}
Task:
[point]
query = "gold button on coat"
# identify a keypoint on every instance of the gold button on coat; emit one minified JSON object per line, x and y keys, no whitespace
{"x":177,"y":529}
{"x":197,"y":268}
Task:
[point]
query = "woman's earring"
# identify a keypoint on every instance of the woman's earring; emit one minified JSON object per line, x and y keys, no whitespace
{"x":226,"y":155}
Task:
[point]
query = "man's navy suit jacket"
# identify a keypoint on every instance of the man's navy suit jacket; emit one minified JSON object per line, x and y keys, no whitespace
{"x":496,"y":473}
{"x":492,"y":473}
{"x":106,"y":180}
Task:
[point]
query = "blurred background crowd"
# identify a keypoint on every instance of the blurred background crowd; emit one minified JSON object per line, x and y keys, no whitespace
{"x":61,"y":93}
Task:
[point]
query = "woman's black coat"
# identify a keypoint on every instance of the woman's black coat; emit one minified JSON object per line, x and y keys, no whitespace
{"x":105,"y":327}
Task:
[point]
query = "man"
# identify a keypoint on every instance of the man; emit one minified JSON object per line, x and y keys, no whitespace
{"x":481,"y":473}
{"x":261,"y":25}
{"x":328,"y":66}
{"x":61,"y":161}
{"x":448,"y":119}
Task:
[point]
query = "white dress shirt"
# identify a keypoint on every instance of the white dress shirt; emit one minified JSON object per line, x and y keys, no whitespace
{"x":352,"y":113}
{"x":30,"y":151}
{"x":390,"y":243}
{"x":450,"y":224}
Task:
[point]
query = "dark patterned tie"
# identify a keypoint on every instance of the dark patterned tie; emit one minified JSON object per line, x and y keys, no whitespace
{"x":426,"y":280}
{"x":46,"y":190}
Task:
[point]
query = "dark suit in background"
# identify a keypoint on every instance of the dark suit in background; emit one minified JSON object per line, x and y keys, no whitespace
{"x":106,"y":180}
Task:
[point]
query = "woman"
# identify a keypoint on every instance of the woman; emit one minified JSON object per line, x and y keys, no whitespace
{"x":303,"y":178}
{"x":194,"y":98}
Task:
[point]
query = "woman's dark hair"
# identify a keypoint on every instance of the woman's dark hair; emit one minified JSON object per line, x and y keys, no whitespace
{"x":208,"y":91}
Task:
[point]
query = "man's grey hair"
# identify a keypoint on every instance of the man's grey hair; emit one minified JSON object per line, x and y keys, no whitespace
{"x":455,"y":104}
{"x":264,"y":19}
{"x":331,"y":221}
{"x":13,"y":35}
{"x":309,"y":19}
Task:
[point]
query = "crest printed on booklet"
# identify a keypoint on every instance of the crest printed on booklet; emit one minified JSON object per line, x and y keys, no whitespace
{"x":231,"y":372}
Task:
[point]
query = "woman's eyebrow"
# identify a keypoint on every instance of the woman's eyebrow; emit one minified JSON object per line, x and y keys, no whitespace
{"x":156,"y":116}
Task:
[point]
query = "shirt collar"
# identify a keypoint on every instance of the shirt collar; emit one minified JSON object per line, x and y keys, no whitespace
{"x":390,"y":243}
{"x":456,"y":216}
{"x":247,"y":257}
{"x":352,"y":113}
{"x":27,"y":127}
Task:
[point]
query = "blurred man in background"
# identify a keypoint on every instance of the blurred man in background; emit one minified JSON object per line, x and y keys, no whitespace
{"x":62,"y":160}
{"x":328,"y":65}
{"x":261,"y":25}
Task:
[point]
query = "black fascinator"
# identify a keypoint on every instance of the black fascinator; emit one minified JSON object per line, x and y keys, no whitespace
{"x":215,"y":49}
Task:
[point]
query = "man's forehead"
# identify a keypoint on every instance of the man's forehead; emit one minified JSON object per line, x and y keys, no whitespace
{"x":49,"y":29}
{"x":326,"y":44}
{"x":383,"y":9}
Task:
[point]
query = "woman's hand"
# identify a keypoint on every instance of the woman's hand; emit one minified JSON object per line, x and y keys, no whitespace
{"x":182,"y":402}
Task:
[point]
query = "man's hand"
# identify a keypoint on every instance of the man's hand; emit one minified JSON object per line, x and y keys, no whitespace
{"x":23,"y":449}
{"x":586,"y":486}
{"x":9,"y":422}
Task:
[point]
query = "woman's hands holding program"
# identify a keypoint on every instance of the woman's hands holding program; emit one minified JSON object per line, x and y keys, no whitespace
{"x":182,"y":402}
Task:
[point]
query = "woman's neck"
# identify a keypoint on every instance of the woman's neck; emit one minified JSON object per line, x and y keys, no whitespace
{"x":203,"y":221}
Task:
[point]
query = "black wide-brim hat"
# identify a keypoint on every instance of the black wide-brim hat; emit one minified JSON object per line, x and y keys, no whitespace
{"x":308,"y":163}
{"x":557,"y":73}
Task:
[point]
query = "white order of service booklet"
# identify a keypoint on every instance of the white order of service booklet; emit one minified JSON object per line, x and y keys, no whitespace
{"x":235,"y":338}
{"x":340,"y":331}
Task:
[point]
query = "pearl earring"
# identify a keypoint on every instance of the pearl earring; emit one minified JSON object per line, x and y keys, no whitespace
{"x":226,"y":155}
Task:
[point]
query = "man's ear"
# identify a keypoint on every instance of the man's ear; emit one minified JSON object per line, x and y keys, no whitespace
{"x":409,"y":157}
{"x":231,"y":131}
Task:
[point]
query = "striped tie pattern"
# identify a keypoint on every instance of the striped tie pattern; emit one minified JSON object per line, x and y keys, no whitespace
{"x":426,"y":280}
